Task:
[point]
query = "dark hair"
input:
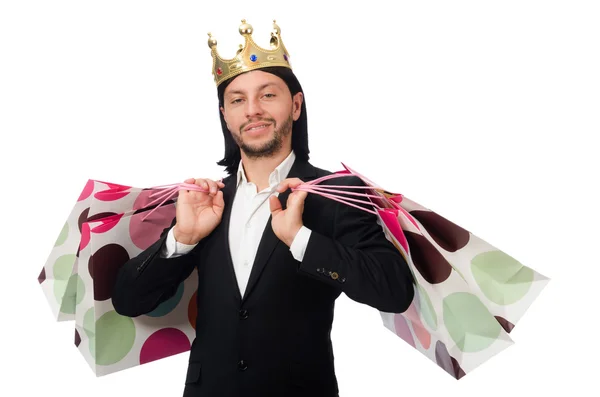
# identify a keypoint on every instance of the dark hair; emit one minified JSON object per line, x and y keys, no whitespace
{"x":299,"y":127}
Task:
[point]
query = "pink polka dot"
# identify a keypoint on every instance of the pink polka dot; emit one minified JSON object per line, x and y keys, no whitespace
{"x":164,"y":343}
{"x":110,"y":195}
{"x":145,"y":232}
{"x":87,"y":190}
{"x":144,"y":199}
{"x":107,"y":223}
{"x":402,"y":329}
{"x":115,"y":186}
{"x":390,"y":219}
{"x":85,"y":236}
{"x":420,"y":331}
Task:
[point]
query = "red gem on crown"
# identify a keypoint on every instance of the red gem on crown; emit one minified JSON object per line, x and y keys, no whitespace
{"x":219,"y":71}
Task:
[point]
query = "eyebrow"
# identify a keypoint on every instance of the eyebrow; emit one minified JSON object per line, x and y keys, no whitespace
{"x":262,"y":87}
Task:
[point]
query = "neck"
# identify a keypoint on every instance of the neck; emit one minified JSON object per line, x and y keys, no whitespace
{"x":258,"y":170}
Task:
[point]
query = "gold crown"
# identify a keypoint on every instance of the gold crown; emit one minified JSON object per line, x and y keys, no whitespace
{"x":249,"y":56}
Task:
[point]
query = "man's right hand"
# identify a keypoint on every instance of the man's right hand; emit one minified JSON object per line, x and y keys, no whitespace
{"x":198,"y":213}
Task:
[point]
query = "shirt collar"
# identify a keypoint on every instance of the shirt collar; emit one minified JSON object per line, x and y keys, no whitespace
{"x":279,"y":173}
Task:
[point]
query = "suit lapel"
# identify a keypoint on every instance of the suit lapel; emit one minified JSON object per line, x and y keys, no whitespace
{"x":229,"y":192}
{"x":300,"y":169}
{"x":304,"y":171}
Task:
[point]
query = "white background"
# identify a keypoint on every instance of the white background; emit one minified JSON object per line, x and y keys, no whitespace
{"x":485,"y":112}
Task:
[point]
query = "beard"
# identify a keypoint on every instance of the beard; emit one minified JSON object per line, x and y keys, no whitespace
{"x":271,"y":147}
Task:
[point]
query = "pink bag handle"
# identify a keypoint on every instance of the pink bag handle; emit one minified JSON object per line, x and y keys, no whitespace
{"x":166,"y":192}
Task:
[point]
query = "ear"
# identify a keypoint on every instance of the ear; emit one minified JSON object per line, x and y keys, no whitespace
{"x":297,"y":105}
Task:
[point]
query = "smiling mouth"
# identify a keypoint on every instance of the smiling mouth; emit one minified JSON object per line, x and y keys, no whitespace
{"x":258,"y":127}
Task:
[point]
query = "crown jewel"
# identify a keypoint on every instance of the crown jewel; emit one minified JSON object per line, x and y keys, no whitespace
{"x":249,"y":56}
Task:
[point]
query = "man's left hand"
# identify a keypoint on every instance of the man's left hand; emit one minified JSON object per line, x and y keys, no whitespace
{"x":286,"y":223}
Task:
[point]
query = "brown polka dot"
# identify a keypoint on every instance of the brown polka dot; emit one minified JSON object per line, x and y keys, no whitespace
{"x":42,"y":275}
{"x":83,"y":218}
{"x":446,"y":234}
{"x":447,"y":362}
{"x":108,"y":260}
{"x":77,"y":338}
{"x":507,"y":325}
{"x":100,"y":215}
{"x":427,"y":259}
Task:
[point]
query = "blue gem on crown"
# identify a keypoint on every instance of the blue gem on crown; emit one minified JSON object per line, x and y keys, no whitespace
{"x":253,"y":58}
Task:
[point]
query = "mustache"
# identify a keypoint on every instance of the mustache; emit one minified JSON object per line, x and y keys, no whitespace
{"x":267,"y":120}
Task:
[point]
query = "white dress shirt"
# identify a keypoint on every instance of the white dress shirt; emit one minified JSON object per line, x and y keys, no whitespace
{"x":249,"y":215}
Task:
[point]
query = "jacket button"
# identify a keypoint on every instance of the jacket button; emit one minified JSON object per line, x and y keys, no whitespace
{"x":244,"y":314}
{"x":242,"y":365}
{"x":342,"y":279}
{"x":320,"y":270}
{"x":334,"y":275}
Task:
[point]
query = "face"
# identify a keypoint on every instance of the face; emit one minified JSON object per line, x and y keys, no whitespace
{"x":259,"y":111}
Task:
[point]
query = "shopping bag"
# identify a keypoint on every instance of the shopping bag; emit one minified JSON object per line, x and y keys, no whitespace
{"x":57,"y":278}
{"x":109,"y":341}
{"x":469,"y":295}
{"x":111,"y":224}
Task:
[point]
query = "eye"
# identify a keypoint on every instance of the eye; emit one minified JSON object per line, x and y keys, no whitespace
{"x":238,"y":100}
{"x":270,"y":95}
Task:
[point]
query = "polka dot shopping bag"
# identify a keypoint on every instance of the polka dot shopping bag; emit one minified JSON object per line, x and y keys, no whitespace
{"x":110,"y":224}
{"x":468,"y":294}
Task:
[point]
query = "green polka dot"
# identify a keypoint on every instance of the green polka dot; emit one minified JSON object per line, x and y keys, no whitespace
{"x":89,"y":329}
{"x":62,"y":268}
{"x":469,"y":322}
{"x":62,"y":237}
{"x":501,"y":278}
{"x":73,"y":294}
{"x":80,"y":290}
{"x":88,"y":323}
{"x":426,"y":308}
{"x":115,"y":335}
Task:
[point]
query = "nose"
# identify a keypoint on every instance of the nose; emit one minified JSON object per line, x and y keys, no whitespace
{"x":253,"y":108}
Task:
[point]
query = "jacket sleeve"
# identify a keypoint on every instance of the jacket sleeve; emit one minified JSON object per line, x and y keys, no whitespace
{"x":359,"y":260}
{"x":148,"y":279}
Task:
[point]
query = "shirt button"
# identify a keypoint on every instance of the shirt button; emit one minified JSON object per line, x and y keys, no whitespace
{"x":242,"y":365}
{"x":248,"y":225}
{"x":245,"y":263}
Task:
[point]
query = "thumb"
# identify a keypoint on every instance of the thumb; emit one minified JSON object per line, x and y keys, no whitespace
{"x":274,"y":205}
{"x":218,"y":203}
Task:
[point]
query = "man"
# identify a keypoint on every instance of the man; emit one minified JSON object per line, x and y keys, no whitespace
{"x":268,"y":272}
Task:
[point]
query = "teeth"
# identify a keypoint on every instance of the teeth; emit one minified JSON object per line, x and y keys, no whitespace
{"x":260,"y":126}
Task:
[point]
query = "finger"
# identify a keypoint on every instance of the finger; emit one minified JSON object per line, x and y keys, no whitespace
{"x":289,"y":182}
{"x":189,"y":181}
{"x":274,"y":205}
{"x":219,"y":203}
{"x":212,"y":185}
{"x":202,"y":183}
{"x":300,"y":195}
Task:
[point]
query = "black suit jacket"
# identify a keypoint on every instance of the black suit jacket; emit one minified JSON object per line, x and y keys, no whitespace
{"x":275,"y":340}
